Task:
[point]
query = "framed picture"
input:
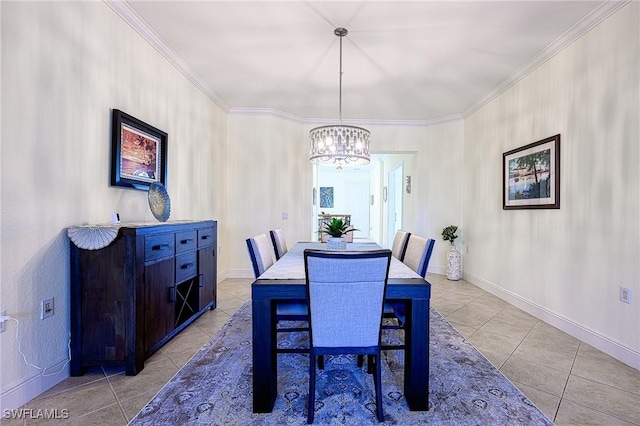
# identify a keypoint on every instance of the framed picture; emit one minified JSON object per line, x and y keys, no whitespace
{"x":326,"y":197}
{"x":531,"y":176}
{"x":138,"y":153}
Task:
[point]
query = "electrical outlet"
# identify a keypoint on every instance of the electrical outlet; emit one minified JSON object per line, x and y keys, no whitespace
{"x":3,"y":312}
{"x":625,"y":295}
{"x":46,"y":308}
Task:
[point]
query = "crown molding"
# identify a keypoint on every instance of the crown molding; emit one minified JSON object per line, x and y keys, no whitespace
{"x":586,"y":24}
{"x":135,"y":21}
{"x":351,"y":122}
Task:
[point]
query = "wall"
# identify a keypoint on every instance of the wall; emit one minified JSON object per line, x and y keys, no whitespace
{"x":270,"y":174}
{"x":269,"y":164}
{"x":64,"y":66}
{"x":435,"y":166}
{"x":566,"y":265}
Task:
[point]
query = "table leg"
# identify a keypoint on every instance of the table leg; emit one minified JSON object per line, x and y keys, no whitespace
{"x":265,"y":368}
{"x":416,"y":357}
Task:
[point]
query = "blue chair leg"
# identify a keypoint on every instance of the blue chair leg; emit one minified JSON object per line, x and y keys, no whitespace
{"x":312,"y":389}
{"x":378,"y":386}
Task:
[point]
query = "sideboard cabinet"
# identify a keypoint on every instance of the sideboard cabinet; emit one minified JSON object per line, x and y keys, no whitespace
{"x":132,"y":296}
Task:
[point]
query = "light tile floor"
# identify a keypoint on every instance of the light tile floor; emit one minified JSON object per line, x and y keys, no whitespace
{"x":570,"y":381}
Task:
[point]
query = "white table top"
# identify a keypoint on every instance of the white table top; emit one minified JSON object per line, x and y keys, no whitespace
{"x":291,"y":265}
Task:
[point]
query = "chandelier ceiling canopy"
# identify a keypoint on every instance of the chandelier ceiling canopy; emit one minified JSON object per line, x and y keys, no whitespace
{"x":339,"y":145}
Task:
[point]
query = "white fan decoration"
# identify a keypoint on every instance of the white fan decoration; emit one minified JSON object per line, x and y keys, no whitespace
{"x":92,"y":237}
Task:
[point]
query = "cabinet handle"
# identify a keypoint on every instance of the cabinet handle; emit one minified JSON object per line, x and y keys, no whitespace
{"x":200,"y":280}
{"x":205,"y":237}
{"x":186,"y":241}
{"x":172,"y":294}
{"x":186,"y":265}
{"x":160,"y":247}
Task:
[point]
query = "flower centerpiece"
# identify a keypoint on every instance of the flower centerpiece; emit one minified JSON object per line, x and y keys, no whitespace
{"x":454,"y":257}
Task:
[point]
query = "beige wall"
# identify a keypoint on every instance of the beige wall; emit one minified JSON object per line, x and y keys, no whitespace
{"x":269,"y":174}
{"x":566,"y":265}
{"x":275,"y":176}
{"x":65,"y":65}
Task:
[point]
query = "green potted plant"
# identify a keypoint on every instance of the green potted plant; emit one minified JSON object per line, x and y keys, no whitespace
{"x":449,"y":233}
{"x":454,"y":257}
{"x":336,"y":229}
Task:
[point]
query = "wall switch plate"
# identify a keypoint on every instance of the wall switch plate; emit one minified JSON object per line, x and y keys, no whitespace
{"x":46,"y":308}
{"x":625,"y":295}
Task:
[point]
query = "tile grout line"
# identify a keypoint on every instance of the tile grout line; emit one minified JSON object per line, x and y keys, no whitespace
{"x":122,"y":411}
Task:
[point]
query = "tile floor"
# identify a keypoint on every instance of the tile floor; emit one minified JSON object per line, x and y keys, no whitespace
{"x":570,"y":381}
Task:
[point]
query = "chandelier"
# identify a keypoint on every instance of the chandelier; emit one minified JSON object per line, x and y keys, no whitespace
{"x":339,"y":145}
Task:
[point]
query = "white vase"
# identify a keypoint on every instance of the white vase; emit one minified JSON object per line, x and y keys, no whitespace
{"x":336,"y":243}
{"x":454,"y":264}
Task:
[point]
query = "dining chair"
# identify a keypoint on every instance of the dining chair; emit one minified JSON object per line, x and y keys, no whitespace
{"x":345,"y":294}
{"x":400,"y":244}
{"x":279,"y":242}
{"x":416,"y":257}
{"x":262,"y":258}
{"x":418,"y":253}
{"x":398,"y":250}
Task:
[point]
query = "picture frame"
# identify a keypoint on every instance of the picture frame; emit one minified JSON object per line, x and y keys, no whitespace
{"x":326,"y":197}
{"x":531,"y":176}
{"x":138,"y":153}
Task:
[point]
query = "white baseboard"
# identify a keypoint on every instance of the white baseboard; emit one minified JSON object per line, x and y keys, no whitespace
{"x":20,"y":394}
{"x":240,"y":273}
{"x":579,"y":331}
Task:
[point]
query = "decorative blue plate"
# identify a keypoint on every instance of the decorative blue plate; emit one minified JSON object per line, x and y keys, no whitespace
{"x":159,"y":201}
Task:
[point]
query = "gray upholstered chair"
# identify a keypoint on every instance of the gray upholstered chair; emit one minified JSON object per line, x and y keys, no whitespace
{"x":261,"y":255}
{"x":418,"y":253}
{"x":345,"y":294}
{"x":416,"y":257}
{"x":279,"y":242}
{"x":400,"y":244}
{"x":397,"y":250}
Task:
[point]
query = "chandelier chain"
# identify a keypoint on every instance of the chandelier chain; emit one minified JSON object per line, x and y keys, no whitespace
{"x":339,"y":145}
{"x":340,"y":97}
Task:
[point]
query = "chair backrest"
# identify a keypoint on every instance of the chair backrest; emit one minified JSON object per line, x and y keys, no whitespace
{"x":400,"y":244}
{"x":418,"y":253}
{"x":260,"y":253}
{"x":345,"y":294}
{"x":279,"y":242}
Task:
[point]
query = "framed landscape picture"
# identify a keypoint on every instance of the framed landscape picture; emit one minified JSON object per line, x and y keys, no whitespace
{"x":138,"y":153}
{"x":531,"y":176}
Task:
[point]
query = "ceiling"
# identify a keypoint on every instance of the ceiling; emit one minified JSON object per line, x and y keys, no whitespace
{"x":424,"y":61}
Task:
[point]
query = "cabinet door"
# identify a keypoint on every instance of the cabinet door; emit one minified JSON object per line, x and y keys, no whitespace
{"x":160,"y":298}
{"x":207,"y":271}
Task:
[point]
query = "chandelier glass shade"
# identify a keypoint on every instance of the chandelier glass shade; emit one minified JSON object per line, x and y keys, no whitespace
{"x":339,"y":145}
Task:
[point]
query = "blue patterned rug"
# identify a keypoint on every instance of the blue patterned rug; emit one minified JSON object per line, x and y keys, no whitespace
{"x":214,"y":387}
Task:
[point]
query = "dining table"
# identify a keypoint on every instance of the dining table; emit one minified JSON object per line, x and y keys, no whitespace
{"x":285,"y":281}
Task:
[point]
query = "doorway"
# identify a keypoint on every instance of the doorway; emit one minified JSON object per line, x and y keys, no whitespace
{"x":394,"y":202}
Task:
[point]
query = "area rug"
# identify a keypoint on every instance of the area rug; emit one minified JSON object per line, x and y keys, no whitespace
{"x":214,"y":387}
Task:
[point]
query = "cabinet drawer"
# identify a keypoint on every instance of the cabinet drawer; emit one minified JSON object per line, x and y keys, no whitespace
{"x":157,"y":246}
{"x":186,"y":241}
{"x":186,"y":266}
{"x":205,"y":237}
